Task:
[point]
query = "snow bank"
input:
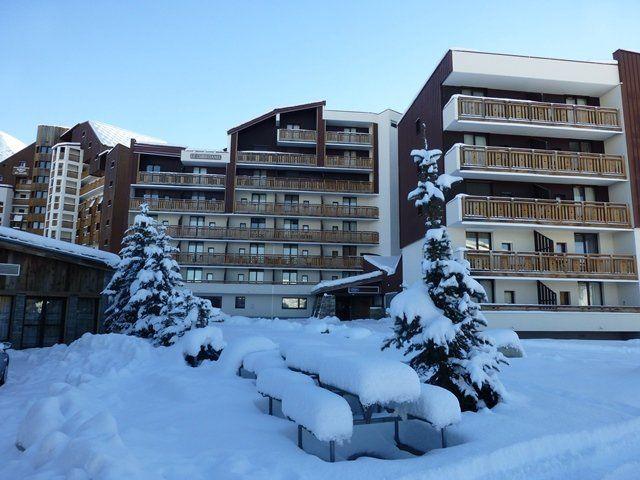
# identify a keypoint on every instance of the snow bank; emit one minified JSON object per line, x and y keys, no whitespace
{"x":309,"y":358}
{"x":276,"y":382}
{"x":374,"y":380}
{"x":436,"y":405}
{"x":233,"y":355}
{"x":325,"y":414}
{"x":507,"y":341}
{"x":195,"y":339}
{"x":256,"y":362}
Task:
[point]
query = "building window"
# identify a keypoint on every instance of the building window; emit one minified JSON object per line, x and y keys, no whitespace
{"x":506,"y":246}
{"x":590,"y":293}
{"x":478,"y":241}
{"x":196,"y":221}
{"x":509,"y":296}
{"x":241,"y":302}
{"x":488,"y":286}
{"x":561,"y":247}
{"x":194,"y":274}
{"x":472,"y":92}
{"x":289,"y":276}
{"x":305,"y":279}
{"x":258,"y":223}
{"x":256,"y":276}
{"x":565,"y":298}
{"x":209,"y":277}
{"x":200,"y":170}
{"x":294,"y":303}
{"x":241,"y":277}
{"x":479,"y":140}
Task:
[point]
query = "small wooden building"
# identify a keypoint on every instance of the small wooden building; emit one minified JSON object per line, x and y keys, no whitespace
{"x":50,"y":290}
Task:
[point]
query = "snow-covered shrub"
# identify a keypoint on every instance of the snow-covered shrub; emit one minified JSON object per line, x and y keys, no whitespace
{"x":200,"y":344}
{"x":438,"y":322}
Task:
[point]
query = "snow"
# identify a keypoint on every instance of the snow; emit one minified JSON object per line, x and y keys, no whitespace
{"x":386,"y":264}
{"x":374,"y":380}
{"x":346,"y":280}
{"x":506,"y":340}
{"x":196,"y":338}
{"x":37,"y":241}
{"x":9,"y":145}
{"x":233,"y":355}
{"x":436,"y":405}
{"x":325,"y":414}
{"x":110,"y":135}
{"x":311,"y":358}
{"x":256,"y":362}
{"x":414,"y":302}
{"x":276,"y":382}
{"x":130,"y":410}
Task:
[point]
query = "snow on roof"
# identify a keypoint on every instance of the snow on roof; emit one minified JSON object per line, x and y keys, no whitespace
{"x":386,"y":264}
{"x":110,"y":135}
{"x":45,"y":243}
{"x":346,"y":280}
{"x":9,"y":145}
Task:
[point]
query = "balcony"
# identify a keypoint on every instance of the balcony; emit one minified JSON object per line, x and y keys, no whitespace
{"x":530,"y":211}
{"x":277,"y":158}
{"x":303,"y":184}
{"x":297,"y":137}
{"x":306,"y":210}
{"x":355,"y":163}
{"x":182,"y":180}
{"x":350,"y":139}
{"x":178,"y":205}
{"x":470,"y":161}
{"x":270,"y":261}
{"x":537,"y":265}
{"x":519,"y":117}
{"x":92,"y":185}
{"x":274,"y":235}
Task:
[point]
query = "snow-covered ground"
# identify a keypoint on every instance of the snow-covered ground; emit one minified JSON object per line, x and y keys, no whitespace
{"x":114,"y":407}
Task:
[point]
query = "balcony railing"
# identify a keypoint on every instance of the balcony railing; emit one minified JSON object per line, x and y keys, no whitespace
{"x":305,"y":184}
{"x":306,"y":210}
{"x":544,"y":162}
{"x":530,"y":210}
{"x":300,"y":159}
{"x":256,"y":282}
{"x":92,"y":185}
{"x":560,"y":265}
{"x":305,"y":136}
{"x":271,"y":234}
{"x":187,"y":179}
{"x":348,"y":138}
{"x":560,"y":308}
{"x":337,"y":161}
{"x":270,"y":260}
{"x":491,"y":109}
{"x":178,"y":205}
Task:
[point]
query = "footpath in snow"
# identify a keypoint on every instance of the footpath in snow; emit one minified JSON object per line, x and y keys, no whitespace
{"x":114,"y":407}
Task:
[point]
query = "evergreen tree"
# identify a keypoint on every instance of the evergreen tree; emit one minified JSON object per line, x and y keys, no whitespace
{"x":438,"y":322}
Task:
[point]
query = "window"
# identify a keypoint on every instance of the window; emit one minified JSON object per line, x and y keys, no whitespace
{"x":590,"y":293}
{"x":241,"y":277}
{"x":291,"y":199}
{"x":290,"y":224}
{"x":294,"y":303}
{"x":471,"y":139}
{"x":561,"y":247}
{"x":478,"y":241}
{"x":509,"y":296}
{"x":506,"y":246}
{"x":289,"y":276}
{"x":582,"y":146}
{"x":211,"y":249}
{"x":305,"y":278}
{"x":576,"y":101}
{"x":194,"y":274}
{"x":256,"y":276}
{"x":256,"y":249}
{"x":565,"y":298}
{"x":350,"y":201}
{"x":242,"y":251}
{"x":291,"y":249}
{"x":196,"y":221}
{"x":293,"y":126}
{"x":241,"y":302}
{"x":200,"y":170}
{"x":586,"y":242}
{"x":258,"y":223}
{"x":153,"y":168}
{"x":195,"y":247}
{"x":349,"y":226}
{"x":258,"y":198}
{"x":488,"y":288}
{"x":584,"y":194}
{"x":472,"y":92}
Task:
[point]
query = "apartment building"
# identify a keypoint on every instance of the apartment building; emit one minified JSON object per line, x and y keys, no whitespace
{"x":548,"y":211}
{"x":297,"y":198}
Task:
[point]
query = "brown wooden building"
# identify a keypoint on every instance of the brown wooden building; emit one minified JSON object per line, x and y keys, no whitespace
{"x":50,"y":290}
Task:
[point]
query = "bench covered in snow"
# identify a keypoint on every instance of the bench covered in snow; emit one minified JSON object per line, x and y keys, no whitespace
{"x":310,"y":358}
{"x":255,"y":362}
{"x":274,"y":382}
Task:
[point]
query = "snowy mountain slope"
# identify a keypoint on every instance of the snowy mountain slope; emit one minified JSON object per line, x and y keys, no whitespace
{"x":9,"y":145}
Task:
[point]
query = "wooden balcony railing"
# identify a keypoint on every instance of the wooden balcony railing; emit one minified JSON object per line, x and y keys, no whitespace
{"x":545,"y":162}
{"x":306,"y":210}
{"x":364,"y":163}
{"x":92,"y":185}
{"x":178,"y":205}
{"x":560,"y":265}
{"x":278,"y":158}
{"x":175,"y":178}
{"x":560,"y":308}
{"x":531,"y":210}
{"x":348,"y":137}
{"x":519,"y":111}
{"x":249,"y":282}
{"x":305,"y":184}
{"x":271,"y":234}
{"x":306,"y":136}
{"x":270,"y":260}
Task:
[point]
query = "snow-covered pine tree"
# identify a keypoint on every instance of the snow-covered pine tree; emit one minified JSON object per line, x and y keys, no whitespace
{"x":438,"y":321}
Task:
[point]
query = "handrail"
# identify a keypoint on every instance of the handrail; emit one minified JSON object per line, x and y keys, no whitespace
{"x":178,"y":178}
{"x":178,"y":205}
{"x":277,"y":158}
{"x":306,"y":209}
{"x":305,"y":184}
{"x":270,"y":260}
{"x":349,"y":162}
{"x":297,"y":135}
{"x":348,"y":137}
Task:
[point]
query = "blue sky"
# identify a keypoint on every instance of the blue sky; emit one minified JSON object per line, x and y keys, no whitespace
{"x":188,"y":70}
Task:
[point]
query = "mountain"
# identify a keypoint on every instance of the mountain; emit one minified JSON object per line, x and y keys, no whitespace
{"x":9,"y":145}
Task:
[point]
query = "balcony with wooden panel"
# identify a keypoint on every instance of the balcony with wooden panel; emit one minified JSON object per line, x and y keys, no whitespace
{"x":520,"y":117}
{"x":350,"y":139}
{"x":182,"y":180}
{"x":270,"y":261}
{"x":528,"y":165}
{"x":507,"y":211}
{"x":178,"y":205}
{"x":92,"y":185}
{"x":277,"y":158}
{"x":304,"y":185}
{"x":307,"y":210}
{"x":286,"y":136}
{"x":352,"y":163}
{"x":550,"y":265}
{"x":274,"y":235}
